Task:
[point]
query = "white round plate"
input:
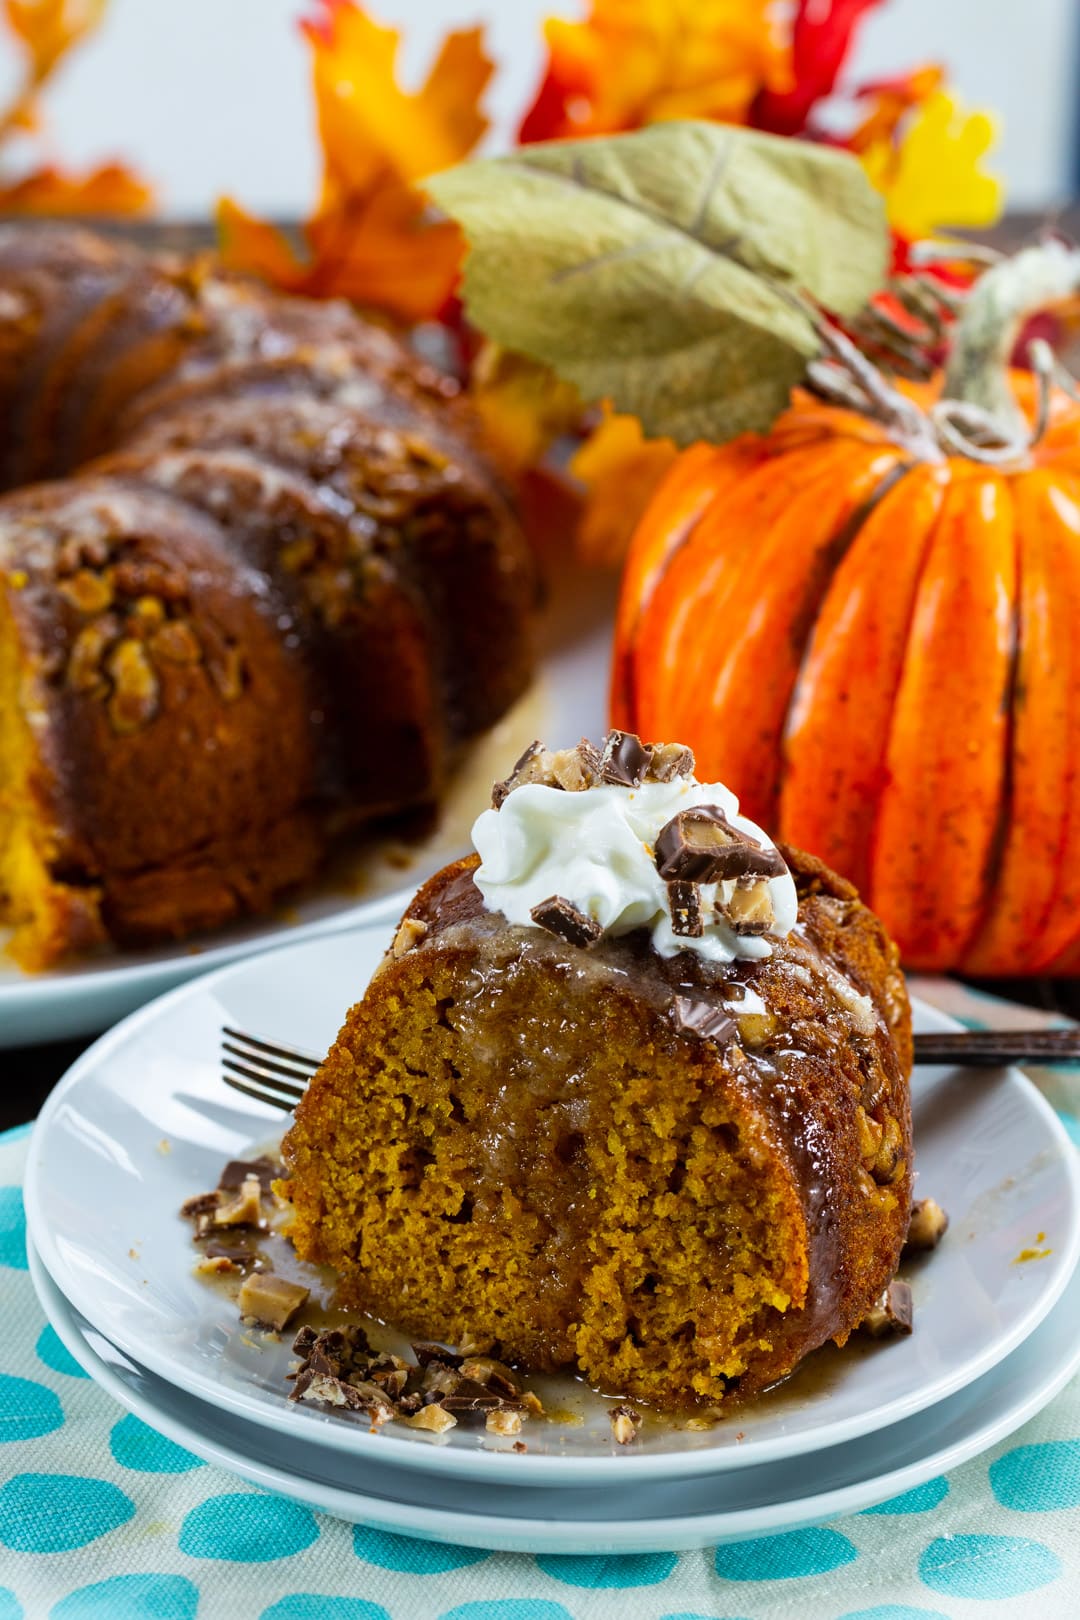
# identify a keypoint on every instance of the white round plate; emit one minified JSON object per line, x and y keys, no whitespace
{"x":566,"y":701}
{"x":143,"y":1121}
{"x":618,"y":1517}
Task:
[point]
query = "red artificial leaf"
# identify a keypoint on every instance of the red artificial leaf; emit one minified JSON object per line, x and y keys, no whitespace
{"x":822,"y":36}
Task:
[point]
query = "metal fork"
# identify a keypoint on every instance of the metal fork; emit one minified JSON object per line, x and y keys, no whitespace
{"x":279,"y":1075}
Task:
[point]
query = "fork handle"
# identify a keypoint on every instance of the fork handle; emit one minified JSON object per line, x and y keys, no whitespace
{"x":990,"y":1048}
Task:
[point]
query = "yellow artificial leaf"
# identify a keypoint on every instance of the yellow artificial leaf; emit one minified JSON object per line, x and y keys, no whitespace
{"x":933,"y":178}
{"x":524,"y":406}
{"x":620,"y":469}
{"x":634,"y":62}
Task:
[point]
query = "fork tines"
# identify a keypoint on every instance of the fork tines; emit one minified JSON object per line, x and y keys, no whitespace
{"x":274,"y":1074}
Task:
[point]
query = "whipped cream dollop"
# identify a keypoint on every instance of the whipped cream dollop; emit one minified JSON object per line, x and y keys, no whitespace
{"x":596,"y":849}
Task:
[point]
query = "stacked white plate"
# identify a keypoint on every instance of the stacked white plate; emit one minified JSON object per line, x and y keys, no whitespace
{"x":144,"y":1120}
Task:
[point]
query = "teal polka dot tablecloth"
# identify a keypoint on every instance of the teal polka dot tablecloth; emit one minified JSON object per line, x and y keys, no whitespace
{"x":103,"y":1519}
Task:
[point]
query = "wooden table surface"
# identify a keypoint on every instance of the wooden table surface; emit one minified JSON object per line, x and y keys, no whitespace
{"x":29,"y":1073}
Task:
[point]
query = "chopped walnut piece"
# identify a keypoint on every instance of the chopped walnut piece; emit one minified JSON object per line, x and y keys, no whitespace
{"x":271,"y":1300}
{"x":135,"y":694}
{"x":390,"y":1373}
{"x":243,"y":1210}
{"x":433,"y":1418}
{"x":410,"y":932}
{"x":750,"y":910}
{"x":86,"y":591}
{"x":625,"y":1423}
{"x":176,"y":643}
{"x":505,"y":1420}
{"x":891,"y":1313}
{"x":84,"y":670}
{"x":927,"y":1226}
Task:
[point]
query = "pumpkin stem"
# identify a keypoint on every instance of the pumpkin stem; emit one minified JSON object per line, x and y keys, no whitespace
{"x":1038,"y":278}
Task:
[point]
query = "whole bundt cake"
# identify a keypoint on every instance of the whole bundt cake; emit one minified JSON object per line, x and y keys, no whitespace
{"x":263,"y":583}
{"x":628,"y":1096}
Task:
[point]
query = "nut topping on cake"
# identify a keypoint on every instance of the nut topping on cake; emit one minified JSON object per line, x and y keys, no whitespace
{"x":622,"y":760}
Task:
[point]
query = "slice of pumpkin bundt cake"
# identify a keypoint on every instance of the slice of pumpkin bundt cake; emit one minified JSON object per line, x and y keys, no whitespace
{"x":627,"y":1096}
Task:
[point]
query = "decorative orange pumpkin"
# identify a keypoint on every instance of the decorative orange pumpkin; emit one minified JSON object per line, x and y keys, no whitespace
{"x":867,"y":622}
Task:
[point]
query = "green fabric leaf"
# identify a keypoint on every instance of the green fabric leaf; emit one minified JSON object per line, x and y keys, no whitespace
{"x":662,"y":269}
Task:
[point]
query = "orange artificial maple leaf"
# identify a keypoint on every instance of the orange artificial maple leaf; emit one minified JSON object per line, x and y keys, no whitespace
{"x":635,"y":62}
{"x":49,"y":28}
{"x":47,"y":31}
{"x":109,"y":190}
{"x":373,"y":237}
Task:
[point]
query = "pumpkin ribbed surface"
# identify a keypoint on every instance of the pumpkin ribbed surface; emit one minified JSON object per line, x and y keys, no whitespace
{"x":879,"y":654}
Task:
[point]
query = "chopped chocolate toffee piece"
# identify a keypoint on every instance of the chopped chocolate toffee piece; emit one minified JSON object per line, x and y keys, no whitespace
{"x":390,"y":1373}
{"x":241,"y":1256}
{"x":750,"y":909}
{"x":927,"y":1226}
{"x":526,"y":769}
{"x":469,"y":1396}
{"x":491,"y":1373}
{"x":426,"y":1353}
{"x":245,"y":1209}
{"x":625,"y":1423}
{"x":685,"y":903}
{"x":505,"y":1420}
{"x":705,"y":1019}
{"x":701,"y":846}
{"x":410,"y":932}
{"x":270,"y":1300}
{"x":216,"y":1265}
{"x":433,"y":1418}
{"x":237,"y":1171}
{"x":891,"y":1313}
{"x":575,"y":769}
{"x":202,"y":1204}
{"x":669,"y":760}
{"x":624,"y":759}
{"x":562,"y":918}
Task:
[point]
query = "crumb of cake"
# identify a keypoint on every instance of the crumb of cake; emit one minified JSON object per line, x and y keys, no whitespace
{"x":892,"y":1313}
{"x":927,"y":1226}
{"x":435,"y":1418}
{"x":532,"y":1403}
{"x":164,"y":1146}
{"x":504,"y":1420}
{"x":625,"y":1424}
{"x":410,"y":932}
{"x":270,"y":1300}
{"x":133,"y":1254}
{"x":520,"y":1446}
